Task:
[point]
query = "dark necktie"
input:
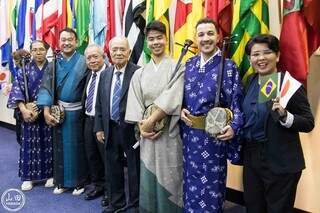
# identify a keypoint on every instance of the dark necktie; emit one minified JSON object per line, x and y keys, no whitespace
{"x":115,"y":113}
{"x":89,"y":101}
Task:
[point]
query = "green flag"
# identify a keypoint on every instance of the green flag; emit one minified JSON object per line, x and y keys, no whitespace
{"x":83,"y":19}
{"x":250,"y":17}
{"x":269,"y":87}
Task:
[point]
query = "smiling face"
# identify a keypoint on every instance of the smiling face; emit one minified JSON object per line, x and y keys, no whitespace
{"x":157,"y":42}
{"x":207,"y":38}
{"x":67,"y":43}
{"x":263,"y":60}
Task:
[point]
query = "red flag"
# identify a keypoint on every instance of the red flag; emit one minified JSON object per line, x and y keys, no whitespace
{"x":49,"y":16}
{"x":299,"y":42}
{"x":221,"y":12}
{"x":115,"y":12}
{"x":62,"y":18}
{"x":311,"y":12}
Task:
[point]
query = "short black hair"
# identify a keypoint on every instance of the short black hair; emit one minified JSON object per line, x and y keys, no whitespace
{"x":270,"y":40}
{"x":45,"y":44}
{"x":207,"y":20}
{"x":157,"y":26}
{"x":69,"y":30}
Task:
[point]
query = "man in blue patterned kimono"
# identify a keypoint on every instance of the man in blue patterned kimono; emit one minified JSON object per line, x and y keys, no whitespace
{"x":35,"y":162}
{"x":70,"y":170}
{"x":205,"y":157}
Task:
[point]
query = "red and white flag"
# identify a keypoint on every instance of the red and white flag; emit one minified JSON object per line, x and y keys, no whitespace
{"x":46,"y":21}
{"x":289,"y":86}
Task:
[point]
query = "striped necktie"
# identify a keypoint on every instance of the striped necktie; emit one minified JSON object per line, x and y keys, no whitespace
{"x":115,"y":111}
{"x":89,"y":101}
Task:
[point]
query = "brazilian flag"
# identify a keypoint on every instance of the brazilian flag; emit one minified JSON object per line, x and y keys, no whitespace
{"x":269,"y":87}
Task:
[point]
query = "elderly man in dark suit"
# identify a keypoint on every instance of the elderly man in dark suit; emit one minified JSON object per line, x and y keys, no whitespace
{"x":94,"y":150}
{"x":111,"y":129}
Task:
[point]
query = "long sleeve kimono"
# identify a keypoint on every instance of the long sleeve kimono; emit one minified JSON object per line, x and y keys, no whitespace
{"x":204,"y":157}
{"x":35,"y":162}
{"x":69,"y":156}
{"x":161,"y":159}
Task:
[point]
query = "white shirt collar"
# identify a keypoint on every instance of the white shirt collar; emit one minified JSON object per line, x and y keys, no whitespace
{"x":203,"y":62}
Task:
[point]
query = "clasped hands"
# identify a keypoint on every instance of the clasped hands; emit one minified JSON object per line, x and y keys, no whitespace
{"x":50,"y":120}
{"x":146,"y":127}
{"x":226,"y":134}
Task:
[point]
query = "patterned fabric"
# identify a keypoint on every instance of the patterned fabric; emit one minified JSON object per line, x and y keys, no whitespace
{"x":115,"y":112}
{"x":204,"y":157}
{"x":70,"y":167}
{"x":161,"y":159}
{"x":35,"y":162}
{"x":89,"y":100}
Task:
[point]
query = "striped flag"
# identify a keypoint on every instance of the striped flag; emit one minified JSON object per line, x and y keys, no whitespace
{"x":21,"y":28}
{"x":114,"y":21}
{"x":158,"y":10}
{"x":5,"y":34}
{"x":133,"y":26}
{"x":83,"y":18}
{"x":46,"y":21}
{"x":62,"y":18}
{"x":250,"y":17}
{"x":188,"y":13}
{"x":71,"y":14}
{"x":299,"y":42}
{"x":98,"y":22}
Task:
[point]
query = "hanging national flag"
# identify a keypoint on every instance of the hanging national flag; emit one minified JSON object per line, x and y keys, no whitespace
{"x":250,"y":17}
{"x":288,"y":88}
{"x":62,"y":18}
{"x":158,"y":10}
{"x":114,"y":21}
{"x":46,"y":21}
{"x":71,"y":14}
{"x":188,"y":13}
{"x":37,"y":5}
{"x":299,"y":42}
{"x":269,"y":87}
{"x":134,"y":24}
{"x":98,"y":22}
{"x":5,"y":34}
{"x":21,"y":27}
{"x":221,"y":12}
{"x":83,"y":18}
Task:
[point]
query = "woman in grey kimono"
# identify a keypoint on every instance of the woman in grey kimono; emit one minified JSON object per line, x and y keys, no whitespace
{"x":160,"y":152}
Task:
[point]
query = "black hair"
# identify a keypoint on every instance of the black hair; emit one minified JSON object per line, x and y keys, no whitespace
{"x":46,"y":46}
{"x":157,"y":26}
{"x":207,"y":20}
{"x":69,"y":30}
{"x":270,"y":40}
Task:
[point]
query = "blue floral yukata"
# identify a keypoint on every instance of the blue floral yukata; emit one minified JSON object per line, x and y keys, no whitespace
{"x":204,"y":157}
{"x":35,"y":162}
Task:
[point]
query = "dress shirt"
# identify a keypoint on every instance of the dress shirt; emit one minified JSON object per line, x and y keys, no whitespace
{"x":114,"y":78}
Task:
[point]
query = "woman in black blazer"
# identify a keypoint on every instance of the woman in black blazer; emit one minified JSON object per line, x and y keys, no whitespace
{"x":273,"y":157}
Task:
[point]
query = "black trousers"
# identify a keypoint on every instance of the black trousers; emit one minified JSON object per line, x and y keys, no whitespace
{"x":95,"y":153}
{"x":265,"y":191}
{"x":116,"y":146}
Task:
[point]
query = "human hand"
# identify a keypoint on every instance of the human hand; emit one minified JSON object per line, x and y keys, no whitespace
{"x":226,"y":134}
{"x":100,"y":136}
{"x":50,"y":120}
{"x":184,"y":117}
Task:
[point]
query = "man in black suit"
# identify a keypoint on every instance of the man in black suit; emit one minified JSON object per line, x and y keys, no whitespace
{"x":112,"y":130}
{"x":94,"y":150}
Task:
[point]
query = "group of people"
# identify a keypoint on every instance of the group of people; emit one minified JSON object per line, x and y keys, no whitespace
{"x":179,"y":167}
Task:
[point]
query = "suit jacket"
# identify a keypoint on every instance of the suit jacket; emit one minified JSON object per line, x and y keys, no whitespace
{"x":102,"y":117}
{"x":283,"y":147}
{"x":84,"y":94}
